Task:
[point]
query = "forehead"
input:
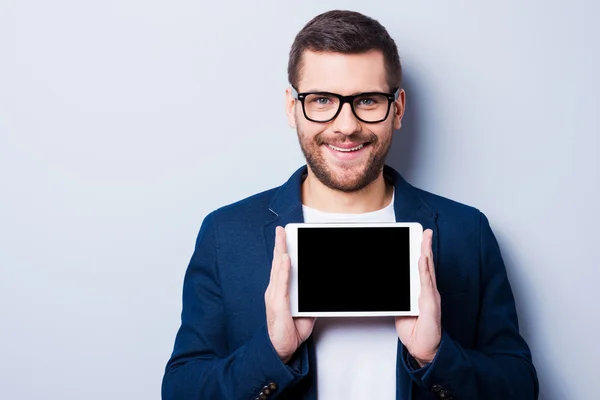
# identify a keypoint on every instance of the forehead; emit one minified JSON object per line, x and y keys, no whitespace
{"x":343,"y":73}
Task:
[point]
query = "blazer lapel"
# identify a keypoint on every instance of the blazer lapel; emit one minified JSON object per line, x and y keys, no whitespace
{"x":294,"y":215}
{"x":286,"y":207}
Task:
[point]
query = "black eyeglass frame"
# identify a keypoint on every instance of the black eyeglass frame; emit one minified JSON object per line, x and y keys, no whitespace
{"x":392,"y":97}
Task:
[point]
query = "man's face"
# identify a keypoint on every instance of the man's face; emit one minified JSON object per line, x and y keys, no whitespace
{"x":345,"y":154}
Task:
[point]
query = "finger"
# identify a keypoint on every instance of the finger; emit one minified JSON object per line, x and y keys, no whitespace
{"x":430,"y":263}
{"x":269,"y":292}
{"x":431,"y":268}
{"x":283,"y":278}
{"x":279,"y":280}
{"x":423,"y":266}
{"x":276,"y":255}
{"x":426,"y":244}
{"x":272,"y":275}
{"x":424,"y":276}
{"x":282,"y":241}
{"x":273,"y":288}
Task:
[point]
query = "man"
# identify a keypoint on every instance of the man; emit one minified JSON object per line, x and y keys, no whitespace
{"x":238,"y":340}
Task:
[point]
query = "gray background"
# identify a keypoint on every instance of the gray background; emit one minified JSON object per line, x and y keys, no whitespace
{"x":123,"y":123}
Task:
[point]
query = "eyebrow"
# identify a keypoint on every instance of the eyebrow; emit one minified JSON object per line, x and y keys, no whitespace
{"x":351,"y":94}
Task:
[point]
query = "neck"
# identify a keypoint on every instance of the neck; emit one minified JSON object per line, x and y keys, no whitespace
{"x":375,"y":196}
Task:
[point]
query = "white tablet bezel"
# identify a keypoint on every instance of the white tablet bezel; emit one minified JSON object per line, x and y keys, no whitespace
{"x":416,"y":236}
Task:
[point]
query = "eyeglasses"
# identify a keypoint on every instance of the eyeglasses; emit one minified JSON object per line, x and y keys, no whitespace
{"x":369,"y":107}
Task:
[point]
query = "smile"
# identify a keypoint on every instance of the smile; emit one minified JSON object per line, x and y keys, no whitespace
{"x":360,"y":146}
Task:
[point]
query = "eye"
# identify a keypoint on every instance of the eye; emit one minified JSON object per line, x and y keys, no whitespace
{"x":370,"y":101}
{"x":321,"y":100}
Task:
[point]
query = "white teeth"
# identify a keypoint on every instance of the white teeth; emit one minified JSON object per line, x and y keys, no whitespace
{"x":360,"y":146}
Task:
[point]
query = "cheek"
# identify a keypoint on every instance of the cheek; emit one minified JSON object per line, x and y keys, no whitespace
{"x":300,"y":119}
{"x":383,"y":133}
{"x":310,"y":132}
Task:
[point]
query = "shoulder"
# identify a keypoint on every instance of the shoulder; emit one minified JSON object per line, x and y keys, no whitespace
{"x":249,"y":210}
{"x":445,"y":206}
{"x":452,"y":215}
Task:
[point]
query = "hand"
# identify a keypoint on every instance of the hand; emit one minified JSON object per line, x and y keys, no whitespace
{"x":422,"y":335}
{"x":286,"y":333}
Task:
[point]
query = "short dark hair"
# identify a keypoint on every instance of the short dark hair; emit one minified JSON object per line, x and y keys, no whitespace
{"x":346,"y":32}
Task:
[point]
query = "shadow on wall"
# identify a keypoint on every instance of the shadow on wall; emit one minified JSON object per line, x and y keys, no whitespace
{"x":406,"y":139}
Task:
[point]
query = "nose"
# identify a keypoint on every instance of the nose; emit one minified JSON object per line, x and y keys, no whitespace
{"x":346,"y":122}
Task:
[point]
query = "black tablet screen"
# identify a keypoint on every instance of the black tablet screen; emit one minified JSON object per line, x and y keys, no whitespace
{"x":353,"y":269}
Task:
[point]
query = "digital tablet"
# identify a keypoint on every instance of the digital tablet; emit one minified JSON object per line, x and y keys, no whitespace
{"x":354,"y":269}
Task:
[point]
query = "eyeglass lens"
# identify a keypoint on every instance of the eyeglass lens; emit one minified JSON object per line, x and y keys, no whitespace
{"x":322,"y":107}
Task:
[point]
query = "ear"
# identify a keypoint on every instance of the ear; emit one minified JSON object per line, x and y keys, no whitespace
{"x":290,"y":108}
{"x":399,"y":107}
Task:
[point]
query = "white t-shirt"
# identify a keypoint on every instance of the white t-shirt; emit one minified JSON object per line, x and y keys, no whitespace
{"x":356,"y":357}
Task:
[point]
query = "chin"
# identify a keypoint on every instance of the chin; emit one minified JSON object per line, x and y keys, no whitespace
{"x":344,"y":179}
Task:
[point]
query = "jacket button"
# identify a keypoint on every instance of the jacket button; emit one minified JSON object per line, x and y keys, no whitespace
{"x":262,"y":396}
{"x":272,"y":386}
{"x":436,"y":388}
{"x":266,"y":390}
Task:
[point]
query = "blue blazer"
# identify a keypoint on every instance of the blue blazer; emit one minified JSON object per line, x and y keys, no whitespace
{"x":222,"y":349}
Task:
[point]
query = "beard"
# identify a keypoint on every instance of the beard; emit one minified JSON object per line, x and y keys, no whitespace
{"x":366,"y":172}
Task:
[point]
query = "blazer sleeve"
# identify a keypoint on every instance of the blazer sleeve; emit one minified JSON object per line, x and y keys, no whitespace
{"x":202,"y":366}
{"x":500,"y":366}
